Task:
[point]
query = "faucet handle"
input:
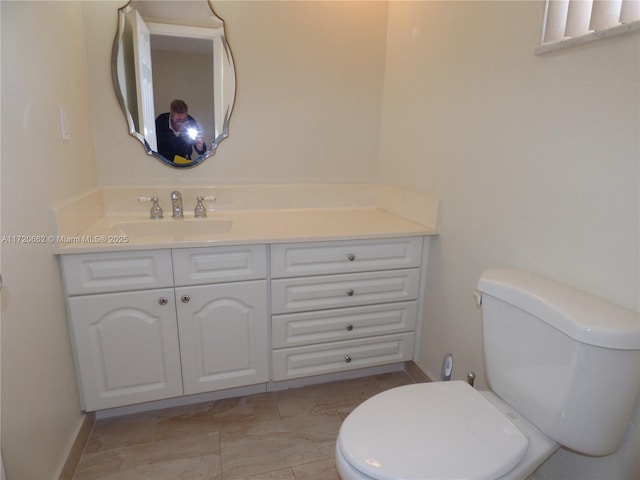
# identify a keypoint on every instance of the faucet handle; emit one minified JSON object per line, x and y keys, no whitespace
{"x":155,"y":212}
{"x":201,"y":210}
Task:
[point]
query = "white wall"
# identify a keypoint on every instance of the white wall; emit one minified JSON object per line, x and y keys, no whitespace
{"x":43,"y":68}
{"x":309,"y":94}
{"x":535,"y":160}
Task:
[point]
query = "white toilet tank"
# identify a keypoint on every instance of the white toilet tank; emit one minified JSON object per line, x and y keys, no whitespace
{"x":567,"y":361}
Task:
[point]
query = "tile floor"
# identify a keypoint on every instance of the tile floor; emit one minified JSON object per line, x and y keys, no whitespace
{"x":288,"y":434}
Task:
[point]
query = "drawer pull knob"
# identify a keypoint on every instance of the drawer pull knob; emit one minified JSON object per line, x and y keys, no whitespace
{"x":185,"y":298}
{"x":351,"y":257}
{"x":350,"y":292}
{"x":163,"y":300}
{"x":349,"y":327}
{"x":347,"y":359}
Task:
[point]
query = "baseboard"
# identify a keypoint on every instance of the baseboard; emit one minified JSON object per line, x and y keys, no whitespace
{"x":77,"y":447}
{"x":416,"y":373}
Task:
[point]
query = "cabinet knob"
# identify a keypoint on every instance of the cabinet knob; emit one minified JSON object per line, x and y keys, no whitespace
{"x":163,"y":300}
{"x":349,"y":327}
{"x":351,"y":257}
{"x":347,"y":359}
{"x":185,"y":298}
{"x":350,"y":292}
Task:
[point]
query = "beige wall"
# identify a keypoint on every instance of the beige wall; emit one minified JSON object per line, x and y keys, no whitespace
{"x":309,"y":95}
{"x":535,"y":160}
{"x":43,"y":67}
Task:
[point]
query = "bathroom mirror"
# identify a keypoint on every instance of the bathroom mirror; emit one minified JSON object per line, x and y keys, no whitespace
{"x":174,"y":50}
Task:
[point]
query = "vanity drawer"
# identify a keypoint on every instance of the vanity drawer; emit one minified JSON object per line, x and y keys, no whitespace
{"x":295,"y":329}
{"x":116,"y":271}
{"x":195,"y":266}
{"x":299,"y":259}
{"x":309,"y":360}
{"x":352,"y":289}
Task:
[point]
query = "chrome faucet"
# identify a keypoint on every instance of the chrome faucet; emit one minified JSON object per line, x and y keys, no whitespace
{"x":176,"y":204}
{"x":201,"y":210}
{"x":156,"y":211}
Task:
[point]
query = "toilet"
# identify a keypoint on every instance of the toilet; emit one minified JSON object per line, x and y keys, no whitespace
{"x":564,"y":371}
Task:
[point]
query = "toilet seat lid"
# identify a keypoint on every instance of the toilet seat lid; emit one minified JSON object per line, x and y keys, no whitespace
{"x":428,"y":431}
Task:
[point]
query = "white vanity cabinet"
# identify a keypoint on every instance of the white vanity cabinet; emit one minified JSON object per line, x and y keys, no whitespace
{"x":343,"y":305}
{"x":155,"y":324}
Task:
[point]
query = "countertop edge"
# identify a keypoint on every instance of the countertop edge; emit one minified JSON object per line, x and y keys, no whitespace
{"x":379,"y":224}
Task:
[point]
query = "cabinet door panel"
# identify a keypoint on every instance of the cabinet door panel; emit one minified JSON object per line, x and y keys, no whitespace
{"x":126,"y":347}
{"x":223,"y":335}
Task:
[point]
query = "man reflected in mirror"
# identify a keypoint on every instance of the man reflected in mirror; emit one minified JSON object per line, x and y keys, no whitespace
{"x":178,"y":133}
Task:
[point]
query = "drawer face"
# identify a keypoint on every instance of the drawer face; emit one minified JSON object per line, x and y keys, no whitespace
{"x":194,"y":266}
{"x":298,"y":362}
{"x":295,"y":329}
{"x":333,"y":291}
{"x":116,"y":271}
{"x":299,"y":259}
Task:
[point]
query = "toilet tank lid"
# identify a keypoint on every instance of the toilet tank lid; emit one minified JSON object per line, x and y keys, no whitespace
{"x":584,"y":317}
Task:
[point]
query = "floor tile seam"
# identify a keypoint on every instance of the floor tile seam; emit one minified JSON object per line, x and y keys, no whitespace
{"x":164,"y":436}
{"x":257,"y":475}
{"x":94,"y":434}
{"x":132,"y":469}
{"x":115,"y":449}
{"x":230,"y":457}
{"x":151,"y":443}
{"x":330,"y":457}
{"x":235,"y":437}
{"x":132,"y":466}
{"x":217,"y":442}
{"x":308,"y":414}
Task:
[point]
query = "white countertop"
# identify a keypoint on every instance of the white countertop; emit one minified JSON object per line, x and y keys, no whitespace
{"x":249,"y":227}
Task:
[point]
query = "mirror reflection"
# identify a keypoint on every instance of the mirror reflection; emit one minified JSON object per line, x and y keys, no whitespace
{"x":174,"y":77}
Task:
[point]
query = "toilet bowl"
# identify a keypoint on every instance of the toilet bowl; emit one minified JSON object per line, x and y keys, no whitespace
{"x":564,"y":371}
{"x":440,"y":430}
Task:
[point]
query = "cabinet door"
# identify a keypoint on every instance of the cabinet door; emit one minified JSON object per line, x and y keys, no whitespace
{"x":126,"y":347}
{"x":223,"y":335}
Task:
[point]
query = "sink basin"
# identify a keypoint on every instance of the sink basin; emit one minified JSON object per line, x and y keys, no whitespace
{"x":178,"y":229}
